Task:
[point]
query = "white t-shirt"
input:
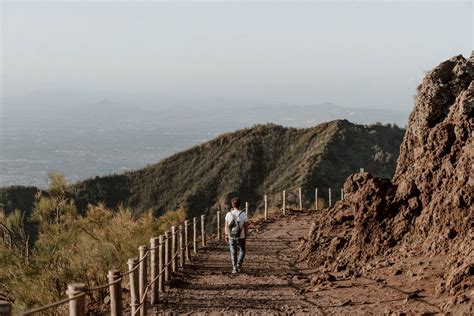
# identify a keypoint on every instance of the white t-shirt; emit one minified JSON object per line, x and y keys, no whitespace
{"x":242,"y":219}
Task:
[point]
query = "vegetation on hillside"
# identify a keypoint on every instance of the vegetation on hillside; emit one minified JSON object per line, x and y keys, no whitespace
{"x":264,"y":159}
{"x":251,"y":162}
{"x":69,"y":246}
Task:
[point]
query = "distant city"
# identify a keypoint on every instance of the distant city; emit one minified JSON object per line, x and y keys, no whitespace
{"x":85,"y":135}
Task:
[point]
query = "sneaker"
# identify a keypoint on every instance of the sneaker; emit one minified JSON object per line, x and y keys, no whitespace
{"x":234,"y":270}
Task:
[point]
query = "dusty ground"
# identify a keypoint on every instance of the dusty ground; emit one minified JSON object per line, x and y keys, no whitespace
{"x":274,"y":282}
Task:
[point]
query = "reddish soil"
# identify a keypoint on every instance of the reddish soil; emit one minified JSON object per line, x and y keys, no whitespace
{"x":276,"y":282}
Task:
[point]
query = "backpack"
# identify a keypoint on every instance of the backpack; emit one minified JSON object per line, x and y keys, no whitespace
{"x":234,"y":226}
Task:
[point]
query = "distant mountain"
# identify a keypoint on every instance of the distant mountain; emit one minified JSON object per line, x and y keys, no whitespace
{"x":264,"y":159}
{"x":214,"y":111}
{"x":84,"y":134}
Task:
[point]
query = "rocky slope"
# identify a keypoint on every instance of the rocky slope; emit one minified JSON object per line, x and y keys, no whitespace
{"x":252,"y":162}
{"x":426,"y":210}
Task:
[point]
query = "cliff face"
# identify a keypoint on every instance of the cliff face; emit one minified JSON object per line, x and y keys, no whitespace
{"x":427,"y":207}
{"x":437,"y":153}
{"x":251,"y":162}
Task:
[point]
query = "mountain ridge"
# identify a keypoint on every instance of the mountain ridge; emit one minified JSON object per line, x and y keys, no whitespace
{"x":250,"y":162}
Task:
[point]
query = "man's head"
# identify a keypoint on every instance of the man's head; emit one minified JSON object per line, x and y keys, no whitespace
{"x":235,"y":202}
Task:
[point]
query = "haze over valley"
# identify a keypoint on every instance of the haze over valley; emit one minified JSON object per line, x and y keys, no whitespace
{"x":141,"y":81}
{"x":85,"y":134}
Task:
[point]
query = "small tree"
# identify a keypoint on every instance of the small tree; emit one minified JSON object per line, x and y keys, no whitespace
{"x":55,"y":215}
{"x":13,"y":234}
{"x":55,"y":208}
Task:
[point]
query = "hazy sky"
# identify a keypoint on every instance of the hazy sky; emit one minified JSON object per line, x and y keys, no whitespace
{"x":369,"y":53}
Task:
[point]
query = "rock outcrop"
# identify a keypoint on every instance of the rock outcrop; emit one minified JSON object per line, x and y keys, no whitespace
{"x":426,"y":209}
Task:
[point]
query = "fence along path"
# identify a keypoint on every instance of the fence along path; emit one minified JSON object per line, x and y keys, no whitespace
{"x":167,"y":253}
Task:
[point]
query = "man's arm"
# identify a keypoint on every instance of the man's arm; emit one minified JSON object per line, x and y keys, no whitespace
{"x":226,"y":229}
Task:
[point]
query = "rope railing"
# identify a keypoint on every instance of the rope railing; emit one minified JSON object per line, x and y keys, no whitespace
{"x":101,"y":287}
{"x":163,"y":254}
{"x":130,"y":271}
{"x":142,"y":301}
{"x":55,"y":304}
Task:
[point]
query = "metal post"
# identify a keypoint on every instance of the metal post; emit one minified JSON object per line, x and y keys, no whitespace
{"x":316,"y":198}
{"x":186,"y":240}
{"x":115,"y":293}
{"x":300,"y":199}
{"x":195,"y":235}
{"x":167,"y":256}
{"x":161,"y":264}
{"x":342,"y":194}
{"x":284,"y":202}
{"x":5,"y":308}
{"x":330,"y":201}
{"x":77,"y":306}
{"x":142,"y":279}
{"x":134,"y":291}
{"x":218,"y":222}
{"x":247,"y":208}
{"x":203,"y":231}
{"x":266,"y":207}
{"x":173,"y":248}
{"x":181,"y":246}
{"x":154,"y":268}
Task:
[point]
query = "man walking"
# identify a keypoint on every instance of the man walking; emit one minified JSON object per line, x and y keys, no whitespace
{"x":236,"y":229}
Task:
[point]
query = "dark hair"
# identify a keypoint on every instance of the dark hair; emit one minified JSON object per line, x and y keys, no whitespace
{"x":235,"y":202}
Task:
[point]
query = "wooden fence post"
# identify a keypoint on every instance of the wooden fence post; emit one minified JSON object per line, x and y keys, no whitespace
{"x":186,"y":240}
{"x":316,"y":198}
{"x":329,"y":194}
{"x":161,"y":264}
{"x":154,"y":268}
{"x":284,"y":202}
{"x":134,"y":291}
{"x":342,"y":194}
{"x":167,"y":256}
{"x":142,"y":279}
{"x":300,"y":199}
{"x":218,"y":222}
{"x":203,"y":230}
{"x":77,"y":306}
{"x":115,"y":293}
{"x":181,"y":246}
{"x":173,"y":248}
{"x":195,"y":235}
{"x":266,"y":207}
{"x":5,"y":308}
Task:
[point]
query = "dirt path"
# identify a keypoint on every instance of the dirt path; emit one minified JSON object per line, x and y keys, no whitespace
{"x":266,"y":285}
{"x":274,"y":283}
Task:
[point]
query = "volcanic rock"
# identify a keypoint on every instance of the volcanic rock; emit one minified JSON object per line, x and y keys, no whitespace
{"x":426,"y":209}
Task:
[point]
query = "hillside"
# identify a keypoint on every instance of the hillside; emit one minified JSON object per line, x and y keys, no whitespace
{"x":253,"y":161}
{"x":250,"y":162}
{"x":425,"y":213}
{"x":100,"y":134}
